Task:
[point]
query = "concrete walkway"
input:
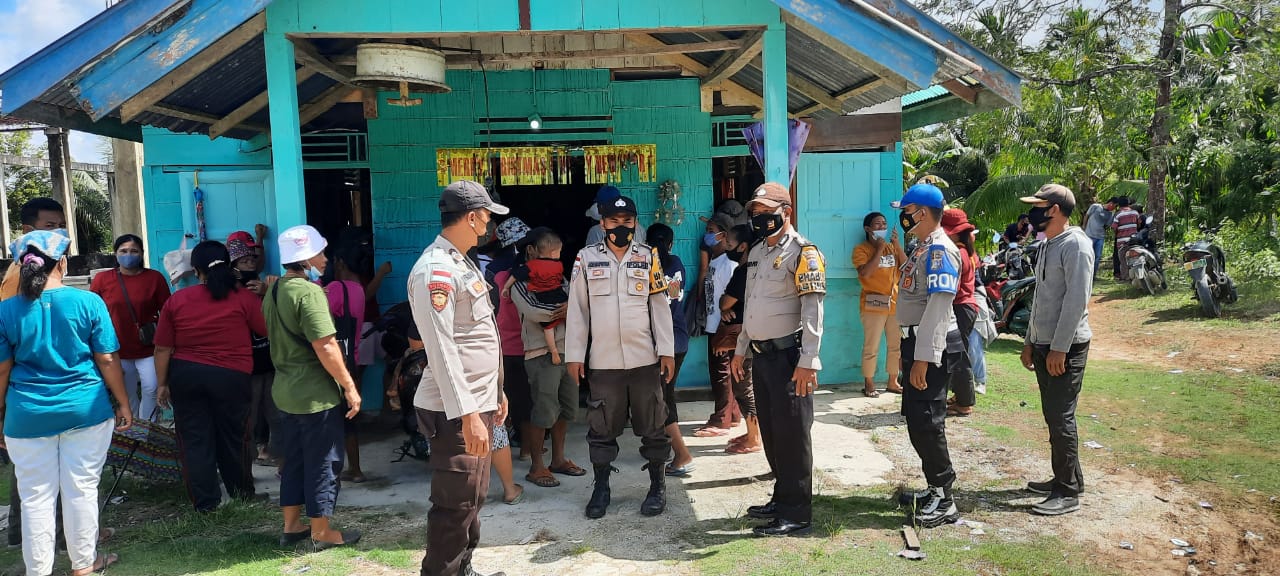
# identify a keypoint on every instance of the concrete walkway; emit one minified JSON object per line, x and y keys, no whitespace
{"x":547,"y":533}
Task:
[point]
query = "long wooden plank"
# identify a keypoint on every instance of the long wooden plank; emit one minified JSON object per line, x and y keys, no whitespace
{"x":730,"y":64}
{"x":184,"y":74}
{"x":305,"y":53}
{"x":248,"y":109}
{"x":843,"y":95}
{"x":323,"y":103}
{"x":195,"y":116}
{"x":699,"y":69}
{"x":961,"y":90}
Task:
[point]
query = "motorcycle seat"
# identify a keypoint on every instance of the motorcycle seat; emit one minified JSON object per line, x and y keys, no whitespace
{"x":1016,"y":284}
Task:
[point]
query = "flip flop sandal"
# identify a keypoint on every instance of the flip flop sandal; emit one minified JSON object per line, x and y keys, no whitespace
{"x":681,"y":472}
{"x":872,"y":393}
{"x":568,"y":469}
{"x":546,"y":480}
{"x":951,"y":401}
{"x":710,"y":432}
{"x":104,"y":561}
{"x":518,"y":499}
{"x":356,"y":479}
{"x":292,"y":538}
{"x":894,"y":390}
{"x":958,"y":412}
{"x":743,"y":449}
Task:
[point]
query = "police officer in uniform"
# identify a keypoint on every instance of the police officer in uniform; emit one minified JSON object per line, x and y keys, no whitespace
{"x":618,"y":301}
{"x":932,"y":348}
{"x":782,"y":332}
{"x":460,"y":396}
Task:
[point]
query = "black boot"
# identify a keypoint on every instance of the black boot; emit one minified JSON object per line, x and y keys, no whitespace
{"x":599,"y":502}
{"x":656,"y":501}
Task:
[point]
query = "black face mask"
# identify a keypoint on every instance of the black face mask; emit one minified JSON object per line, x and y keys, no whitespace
{"x":247,"y":276}
{"x":765,"y":225}
{"x":908,"y":221}
{"x":1039,"y":218}
{"x":621,"y":236}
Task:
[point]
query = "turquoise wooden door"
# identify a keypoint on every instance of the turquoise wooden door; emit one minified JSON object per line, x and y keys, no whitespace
{"x":834,"y":192}
{"x":233,"y":200}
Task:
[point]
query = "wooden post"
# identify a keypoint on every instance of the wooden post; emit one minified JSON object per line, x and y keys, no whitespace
{"x":128,"y":207}
{"x":286,"y":132}
{"x":60,"y":175}
{"x":776,"y":134}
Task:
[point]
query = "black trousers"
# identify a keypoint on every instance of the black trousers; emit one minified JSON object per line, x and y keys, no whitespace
{"x":311,"y":446}
{"x":519,"y":398}
{"x":211,"y":416}
{"x":926,"y":414}
{"x":459,"y":482}
{"x":785,"y":423}
{"x":617,"y":394}
{"x":1058,"y":396}
{"x":962,"y":374}
{"x":669,"y":392}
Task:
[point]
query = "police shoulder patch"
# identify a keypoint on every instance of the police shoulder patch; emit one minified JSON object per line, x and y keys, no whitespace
{"x":657,"y":279}
{"x":811,"y":271}
{"x":941,"y":273}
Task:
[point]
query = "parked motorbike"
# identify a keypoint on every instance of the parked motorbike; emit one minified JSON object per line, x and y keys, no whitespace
{"x":1011,"y":304}
{"x":1143,"y":265}
{"x":1207,"y":265}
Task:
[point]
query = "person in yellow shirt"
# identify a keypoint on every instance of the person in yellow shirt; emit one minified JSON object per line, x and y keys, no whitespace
{"x":877,"y":261}
{"x":37,"y":214}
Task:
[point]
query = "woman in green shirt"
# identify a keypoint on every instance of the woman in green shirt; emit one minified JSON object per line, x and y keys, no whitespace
{"x":311,"y":383}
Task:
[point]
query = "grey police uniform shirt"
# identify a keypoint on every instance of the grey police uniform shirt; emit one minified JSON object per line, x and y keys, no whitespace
{"x":926,"y":291}
{"x":621,"y":305}
{"x":453,"y":312}
{"x":786,"y":284}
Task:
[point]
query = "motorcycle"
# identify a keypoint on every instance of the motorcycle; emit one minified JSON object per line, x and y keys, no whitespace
{"x":1144,"y":268}
{"x":1011,"y":304}
{"x":1207,"y":265}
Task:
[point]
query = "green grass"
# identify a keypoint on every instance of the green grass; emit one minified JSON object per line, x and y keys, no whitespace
{"x":1259,"y":301}
{"x":158,"y":533}
{"x":1197,"y":426}
{"x":860,"y":529}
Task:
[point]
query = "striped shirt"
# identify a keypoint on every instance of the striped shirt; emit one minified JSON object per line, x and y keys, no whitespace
{"x":1126,"y":223}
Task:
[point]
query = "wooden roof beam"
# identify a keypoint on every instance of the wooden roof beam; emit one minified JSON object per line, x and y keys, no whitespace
{"x":248,"y":109}
{"x":962,"y":91}
{"x":652,"y":50}
{"x":184,"y":74}
{"x":306,"y":54}
{"x":196,"y":116}
{"x":729,"y":64}
{"x":699,"y":69}
{"x":842,"y":96}
{"x":323,"y":103}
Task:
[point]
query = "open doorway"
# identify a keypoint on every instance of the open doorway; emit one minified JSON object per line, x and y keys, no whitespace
{"x":561,"y":207}
{"x":338,"y":198}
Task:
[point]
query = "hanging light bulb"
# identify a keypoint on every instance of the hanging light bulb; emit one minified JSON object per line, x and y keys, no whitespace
{"x":535,"y":121}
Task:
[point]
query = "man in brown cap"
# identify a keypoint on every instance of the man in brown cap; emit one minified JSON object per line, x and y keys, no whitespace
{"x":1057,"y":346}
{"x":460,"y":397}
{"x":782,"y":331}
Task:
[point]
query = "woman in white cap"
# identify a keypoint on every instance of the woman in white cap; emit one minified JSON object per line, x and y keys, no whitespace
{"x":204,"y":363}
{"x":313,"y":391}
{"x":57,"y":365}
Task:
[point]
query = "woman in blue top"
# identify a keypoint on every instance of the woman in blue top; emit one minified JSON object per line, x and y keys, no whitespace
{"x":57,"y":363}
{"x":662,"y":237}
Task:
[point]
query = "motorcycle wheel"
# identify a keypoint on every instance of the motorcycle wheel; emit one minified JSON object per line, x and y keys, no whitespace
{"x":1148,"y":284}
{"x":1210,"y":305}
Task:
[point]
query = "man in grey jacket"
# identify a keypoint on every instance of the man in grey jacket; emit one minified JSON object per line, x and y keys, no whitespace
{"x":1057,"y":346}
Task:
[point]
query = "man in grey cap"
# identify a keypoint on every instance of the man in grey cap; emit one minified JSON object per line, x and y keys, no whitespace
{"x":460,"y":397}
{"x":1057,"y":346}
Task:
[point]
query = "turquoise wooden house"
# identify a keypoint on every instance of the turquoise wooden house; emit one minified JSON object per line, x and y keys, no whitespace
{"x":335,"y":113}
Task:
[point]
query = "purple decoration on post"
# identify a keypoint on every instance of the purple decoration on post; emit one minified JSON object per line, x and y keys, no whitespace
{"x":797,"y":135}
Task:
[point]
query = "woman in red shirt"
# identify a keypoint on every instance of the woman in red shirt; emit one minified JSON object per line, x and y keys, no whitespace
{"x":134,"y":296}
{"x":204,"y":358}
{"x":956,"y":224}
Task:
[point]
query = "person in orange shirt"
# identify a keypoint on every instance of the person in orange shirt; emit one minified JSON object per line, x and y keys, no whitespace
{"x":877,"y":261}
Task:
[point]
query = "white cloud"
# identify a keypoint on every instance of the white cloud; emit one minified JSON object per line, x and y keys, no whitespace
{"x":28,"y":26}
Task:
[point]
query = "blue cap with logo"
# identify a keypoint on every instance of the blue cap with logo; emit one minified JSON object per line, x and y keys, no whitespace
{"x":926,"y":195}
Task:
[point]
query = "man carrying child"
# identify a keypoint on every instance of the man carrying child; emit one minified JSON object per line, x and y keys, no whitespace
{"x":539,"y":291}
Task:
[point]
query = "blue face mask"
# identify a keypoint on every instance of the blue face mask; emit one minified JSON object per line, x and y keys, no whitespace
{"x":313,"y":274}
{"x":130,"y":261}
{"x":709,"y":239}
{"x":881,"y":234}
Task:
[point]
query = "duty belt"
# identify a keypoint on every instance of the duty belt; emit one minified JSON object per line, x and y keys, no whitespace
{"x":776,"y":345}
{"x":909,"y":331}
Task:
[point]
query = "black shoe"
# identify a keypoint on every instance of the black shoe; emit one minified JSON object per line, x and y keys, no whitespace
{"x":349,"y":538}
{"x":1045,"y":487}
{"x":1057,"y":505}
{"x":766,"y":512}
{"x":914,"y":500}
{"x":292,"y":538}
{"x":782,"y":527}
{"x":656,"y":501}
{"x":469,"y":571}
{"x":599,"y":503}
{"x":938,"y":510}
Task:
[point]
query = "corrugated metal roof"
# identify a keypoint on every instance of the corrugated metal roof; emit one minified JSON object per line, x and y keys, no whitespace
{"x":923,"y":95}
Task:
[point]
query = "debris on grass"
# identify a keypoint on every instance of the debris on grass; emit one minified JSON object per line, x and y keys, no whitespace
{"x":911,"y":554}
{"x":1179,"y":542}
{"x":1206,"y":505}
{"x":1250,"y":536}
{"x":912,"y":540}
{"x":1127,"y":545}
{"x":1093,"y":444}
{"x":1176,"y":371}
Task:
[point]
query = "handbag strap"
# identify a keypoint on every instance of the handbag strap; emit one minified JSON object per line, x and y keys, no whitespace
{"x":275,"y":299}
{"x":346,"y":302}
{"x":127,"y":301}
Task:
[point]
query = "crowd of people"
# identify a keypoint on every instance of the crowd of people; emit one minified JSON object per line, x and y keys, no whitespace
{"x":264,"y":369}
